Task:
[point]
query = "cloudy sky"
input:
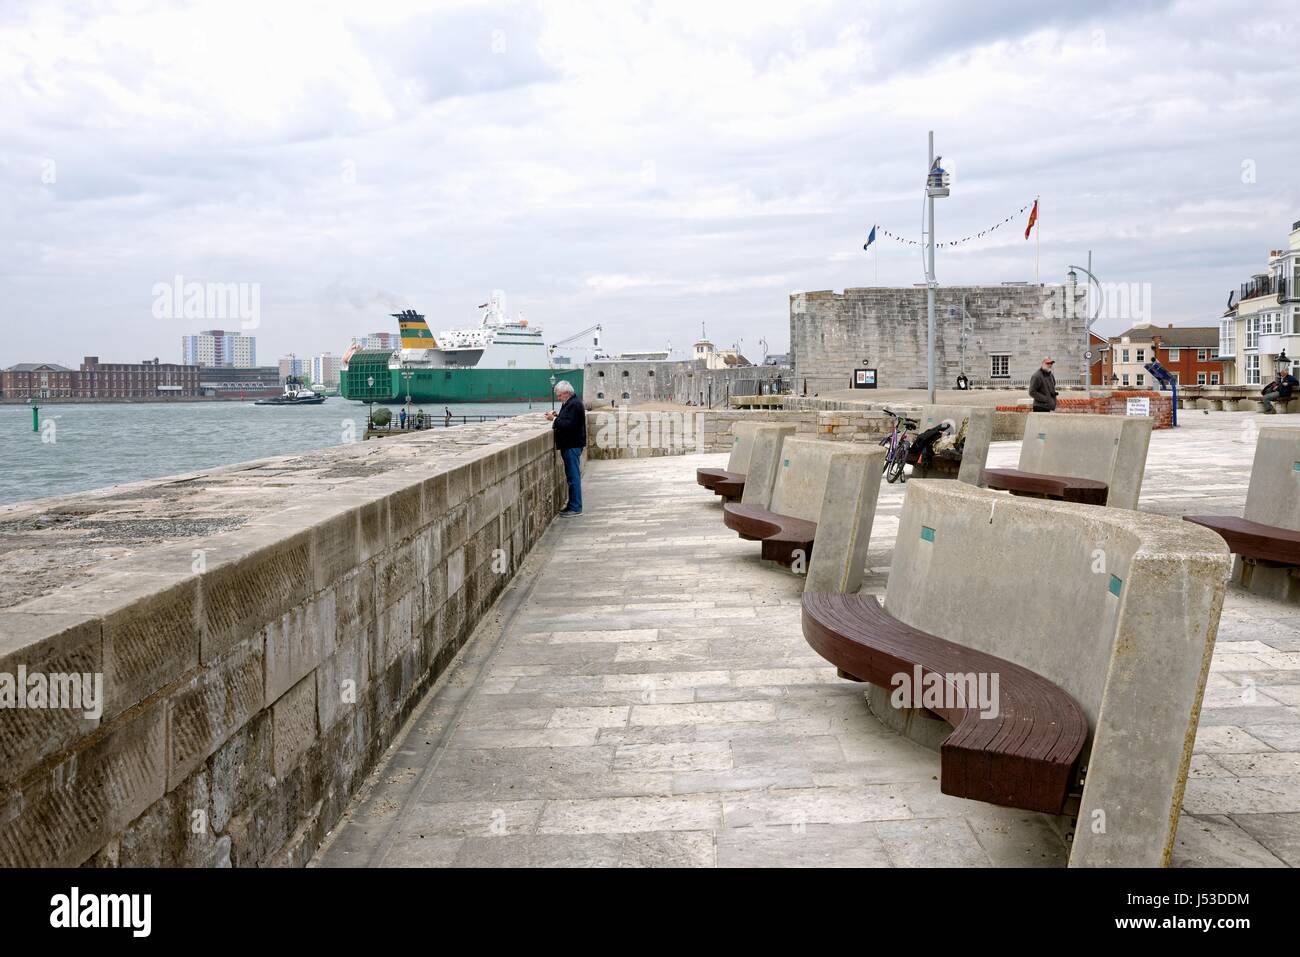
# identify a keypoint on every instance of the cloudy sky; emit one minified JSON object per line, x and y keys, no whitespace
{"x":648,"y":166}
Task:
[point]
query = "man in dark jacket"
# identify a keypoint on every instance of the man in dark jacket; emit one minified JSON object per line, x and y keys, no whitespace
{"x":570,"y":428}
{"x":1282,"y":386}
{"x":1042,"y":387}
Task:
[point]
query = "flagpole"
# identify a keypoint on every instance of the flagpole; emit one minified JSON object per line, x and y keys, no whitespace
{"x":1038,"y":237}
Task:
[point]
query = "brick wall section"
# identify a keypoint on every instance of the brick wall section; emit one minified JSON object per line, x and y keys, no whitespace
{"x":249,"y":695}
{"x":1113,"y":404}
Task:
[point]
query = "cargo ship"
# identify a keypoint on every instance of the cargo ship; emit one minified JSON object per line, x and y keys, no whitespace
{"x":500,"y":360}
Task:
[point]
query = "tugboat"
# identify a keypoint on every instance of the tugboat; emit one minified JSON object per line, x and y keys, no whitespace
{"x":294,"y":394}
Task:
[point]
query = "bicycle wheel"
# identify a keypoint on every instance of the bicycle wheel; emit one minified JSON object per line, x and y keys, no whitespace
{"x":894,"y":467}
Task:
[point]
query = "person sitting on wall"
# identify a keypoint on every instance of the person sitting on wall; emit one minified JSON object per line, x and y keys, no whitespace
{"x":1042,"y":387}
{"x":1281,"y":387}
{"x":570,"y":428}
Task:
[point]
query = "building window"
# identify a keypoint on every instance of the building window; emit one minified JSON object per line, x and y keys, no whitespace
{"x":1123,"y":380}
{"x":1228,"y":337}
{"x":1200,"y":378}
{"x":1252,"y":333}
{"x":1142,"y":355}
{"x":1214,"y":378}
{"x":1252,"y":369}
{"x":1000,"y":365}
{"x":1123,"y":356}
{"x":1141,"y":379}
{"x":1202,"y":355}
{"x":1174,"y":354}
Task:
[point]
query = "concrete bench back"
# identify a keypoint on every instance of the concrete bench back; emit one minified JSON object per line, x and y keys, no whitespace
{"x":1106,"y":448}
{"x":979,"y":433}
{"x":742,"y":446}
{"x":1119,"y":609}
{"x":764,"y":456}
{"x":1274,"y":495}
{"x":834,"y":484}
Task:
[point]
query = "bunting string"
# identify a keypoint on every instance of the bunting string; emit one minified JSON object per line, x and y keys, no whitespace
{"x":965,"y":239}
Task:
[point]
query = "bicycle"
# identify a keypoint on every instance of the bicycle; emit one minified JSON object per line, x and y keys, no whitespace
{"x":896,"y":445}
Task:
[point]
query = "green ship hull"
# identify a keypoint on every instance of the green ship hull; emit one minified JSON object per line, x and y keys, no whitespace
{"x":369,"y":379}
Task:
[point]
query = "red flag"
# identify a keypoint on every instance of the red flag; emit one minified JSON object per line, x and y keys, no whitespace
{"x":1033,"y":218}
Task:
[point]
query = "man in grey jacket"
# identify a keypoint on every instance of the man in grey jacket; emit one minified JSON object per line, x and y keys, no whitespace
{"x":1042,"y":387}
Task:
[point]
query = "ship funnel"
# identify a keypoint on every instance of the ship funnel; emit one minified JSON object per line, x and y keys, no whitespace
{"x":415,"y":331}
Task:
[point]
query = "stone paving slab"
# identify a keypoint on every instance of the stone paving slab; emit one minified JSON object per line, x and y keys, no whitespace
{"x":645,"y":698}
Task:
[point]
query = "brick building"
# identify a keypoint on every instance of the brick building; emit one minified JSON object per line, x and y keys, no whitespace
{"x":97,"y":380}
{"x":150,"y":379}
{"x":1189,"y":353}
{"x":37,"y":380}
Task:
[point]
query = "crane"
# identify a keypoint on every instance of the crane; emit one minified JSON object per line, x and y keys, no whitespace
{"x":595,"y":341}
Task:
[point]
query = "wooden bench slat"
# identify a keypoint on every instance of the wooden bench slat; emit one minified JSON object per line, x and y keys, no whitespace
{"x":781,"y":535}
{"x":1065,"y":488}
{"x":730,"y":485}
{"x":1253,"y":539}
{"x":1025,"y":757}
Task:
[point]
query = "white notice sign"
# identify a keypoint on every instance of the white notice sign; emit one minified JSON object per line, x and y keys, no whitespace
{"x":1139,"y":405}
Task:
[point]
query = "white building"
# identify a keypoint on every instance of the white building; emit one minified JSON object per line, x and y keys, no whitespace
{"x":378,"y":340}
{"x":1264,"y":322}
{"x":715,"y":358}
{"x":215,"y":348}
{"x":325,"y":370}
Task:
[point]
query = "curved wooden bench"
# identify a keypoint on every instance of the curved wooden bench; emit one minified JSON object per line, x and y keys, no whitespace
{"x":1025,"y":757}
{"x":1253,"y":539}
{"x":1061,"y":488}
{"x":730,"y":485}
{"x":781,"y":535}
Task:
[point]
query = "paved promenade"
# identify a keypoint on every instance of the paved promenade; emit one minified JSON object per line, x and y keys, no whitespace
{"x":644,"y":696}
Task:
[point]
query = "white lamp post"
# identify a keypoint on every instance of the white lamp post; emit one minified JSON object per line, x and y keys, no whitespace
{"x":936,"y":186}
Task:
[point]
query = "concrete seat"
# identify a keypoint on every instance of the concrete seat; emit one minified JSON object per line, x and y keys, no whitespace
{"x":1116,"y":609}
{"x":824,"y":492}
{"x":1266,"y":539}
{"x":732,"y":478}
{"x":967,"y":467}
{"x":1024,"y":756}
{"x":730,"y":482}
{"x":1092,"y":459}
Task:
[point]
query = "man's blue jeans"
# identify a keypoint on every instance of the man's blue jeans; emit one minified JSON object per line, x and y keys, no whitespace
{"x":573,"y":474}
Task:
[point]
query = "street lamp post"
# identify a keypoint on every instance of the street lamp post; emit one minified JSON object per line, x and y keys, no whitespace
{"x":936,"y":185}
{"x":1092,"y":317}
{"x":406,"y":375}
{"x":552,"y":391}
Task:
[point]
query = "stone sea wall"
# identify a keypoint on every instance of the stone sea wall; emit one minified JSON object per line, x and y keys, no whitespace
{"x":261,"y":632}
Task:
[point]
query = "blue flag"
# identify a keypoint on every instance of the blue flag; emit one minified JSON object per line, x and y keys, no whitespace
{"x":870,"y":239}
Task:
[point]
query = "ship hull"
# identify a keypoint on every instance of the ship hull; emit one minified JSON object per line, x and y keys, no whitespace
{"x":448,"y":386}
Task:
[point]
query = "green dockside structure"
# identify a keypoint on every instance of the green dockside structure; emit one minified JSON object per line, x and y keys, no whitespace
{"x":447,"y":385}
